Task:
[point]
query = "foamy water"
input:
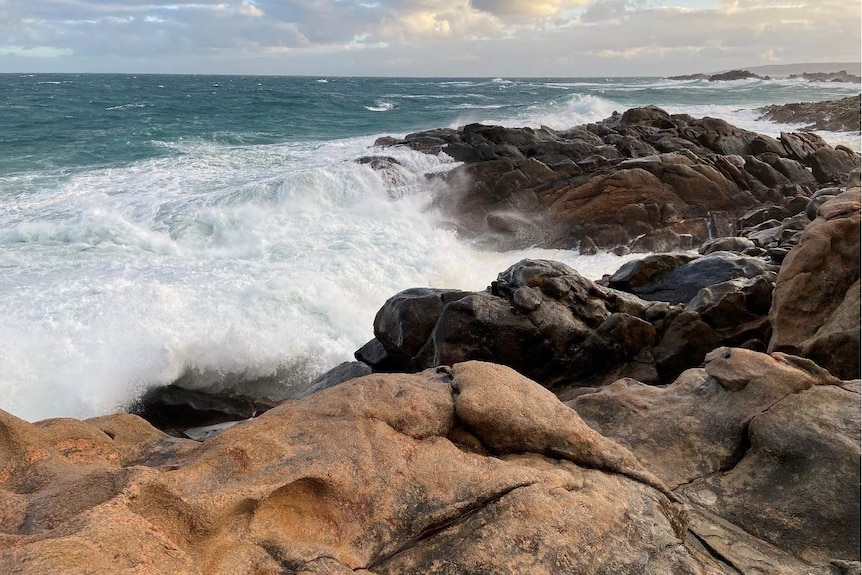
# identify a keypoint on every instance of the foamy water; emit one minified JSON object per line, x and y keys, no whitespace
{"x":237,"y":252}
{"x":233,"y":261}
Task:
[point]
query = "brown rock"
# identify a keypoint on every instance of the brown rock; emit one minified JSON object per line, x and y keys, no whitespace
{"x":698,"y":424}
{"x":814,"y":282}
{"x":798,"y":484}
{"x":359,"y":478}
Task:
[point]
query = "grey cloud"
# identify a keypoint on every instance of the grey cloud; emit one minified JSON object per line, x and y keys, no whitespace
{"x":428,"y":37}
{"x":603,"y":10}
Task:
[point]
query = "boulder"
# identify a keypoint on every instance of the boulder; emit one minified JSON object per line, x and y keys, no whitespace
{"x":680,"y":283}
{"x":804,"y":452}
{"x":381,"y":474}
{"x":834,"y":165}
{"x":544,"y":320}
{"x":726,"y":244}
{"x":642,"y":180}
{"x":815,"y":304}
{"x":830,"y":115}
{"x":765,"y":448}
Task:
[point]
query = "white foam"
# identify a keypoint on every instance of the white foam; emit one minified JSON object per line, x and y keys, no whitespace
{"x":381,"y":106}
{"x":561,"y":113}
{"x":225,"y":260}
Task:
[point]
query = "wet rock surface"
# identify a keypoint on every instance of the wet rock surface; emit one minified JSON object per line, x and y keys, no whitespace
{"x":643,"y":180}
{"x":832,"y":115}
{"x":547,"y":424}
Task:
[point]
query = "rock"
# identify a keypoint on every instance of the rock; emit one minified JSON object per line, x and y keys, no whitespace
{"x":544,"y":320}
{"x":684,"y":344}
{"x":804,"y":452}
{"x":800,"y":146}
{"x":814,"y":310}
{"x":173,"y":408}
{"x":760,"y":215}
{"x":726,"y":244}
{"x":831,"y":115}
{"x":339,"y":374}
{"x":735,"y":75}
{"x":732,"y":303}
{"x":697,"y":425}
{"x":841,"y":76}
{"x":374,"y":355}
{"x":642,"y":180}
{"x":405,"y":321}
{"x":833,"y":165}
{"x":680,"y":283}
{"x":381,"y":474}
{"x":751,"y":441}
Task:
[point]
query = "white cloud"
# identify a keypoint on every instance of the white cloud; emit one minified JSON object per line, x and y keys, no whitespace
{"x":250,"y":9}
{"x":526,"y":8}
{"x":34,"y":52}
{"x":427,"y":37}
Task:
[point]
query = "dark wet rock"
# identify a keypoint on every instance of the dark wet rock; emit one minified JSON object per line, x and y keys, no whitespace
{"x":800,"y":145}
{"x":405,"y":321}
{"x":832,"y":115}
{"x":834,"y":165}
{"x":840,"y":76}
{"x":736,"y":75}
{"x":339,"y":374}
{"x":173,"y":408}
{"x":798,"y":204}
{"x":374,"y":354}
{"x":643,"y":180}
{"x":760,"y":215}
{"x":675,"y":280}
{"x":726,"y":244}
{"x":685,"y":343}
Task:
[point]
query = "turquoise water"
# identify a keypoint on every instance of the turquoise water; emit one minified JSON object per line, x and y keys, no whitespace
{"x":68,"y":121}
{"x":152,"y":225}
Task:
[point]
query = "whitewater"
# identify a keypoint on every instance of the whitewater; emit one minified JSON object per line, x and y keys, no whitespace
{"x":156,"y":226}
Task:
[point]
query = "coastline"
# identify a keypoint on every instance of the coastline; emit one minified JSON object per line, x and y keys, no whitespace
{"x":661,"y":429}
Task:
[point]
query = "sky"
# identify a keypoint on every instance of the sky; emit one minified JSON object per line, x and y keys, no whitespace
{"x":424,"y":37}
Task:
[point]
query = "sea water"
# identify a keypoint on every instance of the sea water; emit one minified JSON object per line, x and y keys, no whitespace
{"x":155,"y":226}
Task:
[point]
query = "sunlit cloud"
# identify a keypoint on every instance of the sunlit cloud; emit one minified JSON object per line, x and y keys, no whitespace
{"x":426,"y":37}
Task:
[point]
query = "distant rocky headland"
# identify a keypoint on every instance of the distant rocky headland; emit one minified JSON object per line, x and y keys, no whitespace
{"x":696,"y":412}
{"x":840,"y":76}
{"x":833,"y":115}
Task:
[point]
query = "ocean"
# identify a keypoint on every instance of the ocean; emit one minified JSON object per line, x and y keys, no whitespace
{"x":154,"y":226}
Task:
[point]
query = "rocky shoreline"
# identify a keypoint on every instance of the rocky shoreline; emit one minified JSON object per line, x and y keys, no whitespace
{"x":832,"y":115}
{"x":692,"y":413}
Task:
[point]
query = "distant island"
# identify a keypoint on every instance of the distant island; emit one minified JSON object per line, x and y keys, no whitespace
{"x":834,"y":72}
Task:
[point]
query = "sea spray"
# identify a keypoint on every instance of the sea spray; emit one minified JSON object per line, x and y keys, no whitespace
{"x":232,"y":263}
{"x":155,"y":225}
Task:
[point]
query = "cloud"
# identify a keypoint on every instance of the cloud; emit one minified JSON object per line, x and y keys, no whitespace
{"x":526,"y":8}
{"x":250,"y":9}
{"x":427,"y":37}
{"x":34,"y":52}
{"x":604,"y":10}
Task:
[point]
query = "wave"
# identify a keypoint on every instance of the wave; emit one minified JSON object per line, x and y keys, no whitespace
{"x":243,"y":262}
{"x":559,"y":113}
{"x":129,"y":106}
{"x":381,"y":106}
